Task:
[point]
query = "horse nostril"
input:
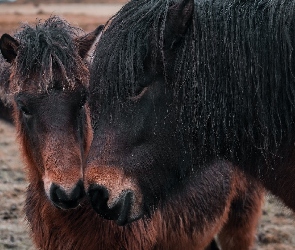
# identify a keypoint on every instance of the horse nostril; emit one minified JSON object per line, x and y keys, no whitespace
{"x":119,"y":210}
{"x":99,"y":196}
{"x":64,"y":199}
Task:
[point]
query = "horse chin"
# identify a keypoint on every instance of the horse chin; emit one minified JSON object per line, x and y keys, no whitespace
{"x":127,"y":221}
{"x":68,"y":206}
{"x":122,"y":220}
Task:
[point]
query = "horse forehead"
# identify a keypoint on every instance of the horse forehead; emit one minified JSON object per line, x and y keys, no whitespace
{"x":53,"y":76}
{"x":51,"y":97}
{"x":35,"y":85}
{"x":51,"y":109}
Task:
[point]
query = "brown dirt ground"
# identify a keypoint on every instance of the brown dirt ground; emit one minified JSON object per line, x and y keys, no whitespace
{"x":277,"y":227}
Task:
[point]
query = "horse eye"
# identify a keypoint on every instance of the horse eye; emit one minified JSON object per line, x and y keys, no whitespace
{"x":24,"y":110}
{"x":138,"y":93}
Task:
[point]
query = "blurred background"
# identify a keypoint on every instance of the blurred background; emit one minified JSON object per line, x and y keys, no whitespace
{"x":87,"y":14}
{"x":277,"y":227}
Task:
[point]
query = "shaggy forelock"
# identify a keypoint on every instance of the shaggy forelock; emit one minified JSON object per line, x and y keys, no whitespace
{"x":45,"y":48}
{"x":119,"y":60}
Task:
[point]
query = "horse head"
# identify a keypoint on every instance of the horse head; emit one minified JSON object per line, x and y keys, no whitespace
{"x":138,"y":156}
{"x":48,"y":85}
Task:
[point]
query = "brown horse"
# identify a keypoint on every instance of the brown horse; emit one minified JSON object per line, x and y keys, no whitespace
{"x":49,"y":80}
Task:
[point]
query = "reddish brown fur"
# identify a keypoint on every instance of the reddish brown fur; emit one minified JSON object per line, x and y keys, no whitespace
{"x":33,"y":174}
{"x":62,"y":162}
{"x":240,"y":229}
{"x":173,"y":227}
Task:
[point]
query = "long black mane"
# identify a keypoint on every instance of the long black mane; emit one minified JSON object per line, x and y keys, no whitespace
{"x":234,"y":70}
{"x":120,"y":61}
{"x":45,"y":48}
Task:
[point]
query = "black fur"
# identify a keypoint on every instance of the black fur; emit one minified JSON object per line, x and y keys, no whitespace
{"x":232,"y":77}
{"x":154,"y":133}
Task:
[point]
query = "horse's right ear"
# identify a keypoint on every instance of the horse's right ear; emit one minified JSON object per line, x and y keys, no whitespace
{"x":85,"y":43}
{"x":8,"y":47}
{"x":178,"y":19}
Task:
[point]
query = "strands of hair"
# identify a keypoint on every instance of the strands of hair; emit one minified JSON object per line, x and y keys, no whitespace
{"x":47,"y":46}
{"x":123,"y":59}
{"x":233,"y":71}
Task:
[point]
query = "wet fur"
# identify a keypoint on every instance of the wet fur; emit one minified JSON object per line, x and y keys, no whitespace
{"x":43,"y":49}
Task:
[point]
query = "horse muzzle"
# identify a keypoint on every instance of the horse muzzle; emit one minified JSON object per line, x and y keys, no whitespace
{"x":113,"y":195}
{"x":66,"y":198}
{"x":119,"y":210}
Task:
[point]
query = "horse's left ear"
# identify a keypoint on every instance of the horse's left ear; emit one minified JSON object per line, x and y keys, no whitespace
{"x":85,"y":42}
{"x":8,"y":47}
{"x":178,"y":19}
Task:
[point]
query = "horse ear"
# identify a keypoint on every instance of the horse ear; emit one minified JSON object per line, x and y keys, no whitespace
{"x":86,"y":42}
{"x":8,"y":47}
{"x":178,"y":19}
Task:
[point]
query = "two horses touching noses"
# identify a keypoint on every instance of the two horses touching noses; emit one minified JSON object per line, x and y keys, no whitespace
{"x":48,"y":88}
{"x":183,"y":99}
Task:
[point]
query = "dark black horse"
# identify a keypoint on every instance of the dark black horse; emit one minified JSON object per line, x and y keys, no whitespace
{"x":168,"y":111}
